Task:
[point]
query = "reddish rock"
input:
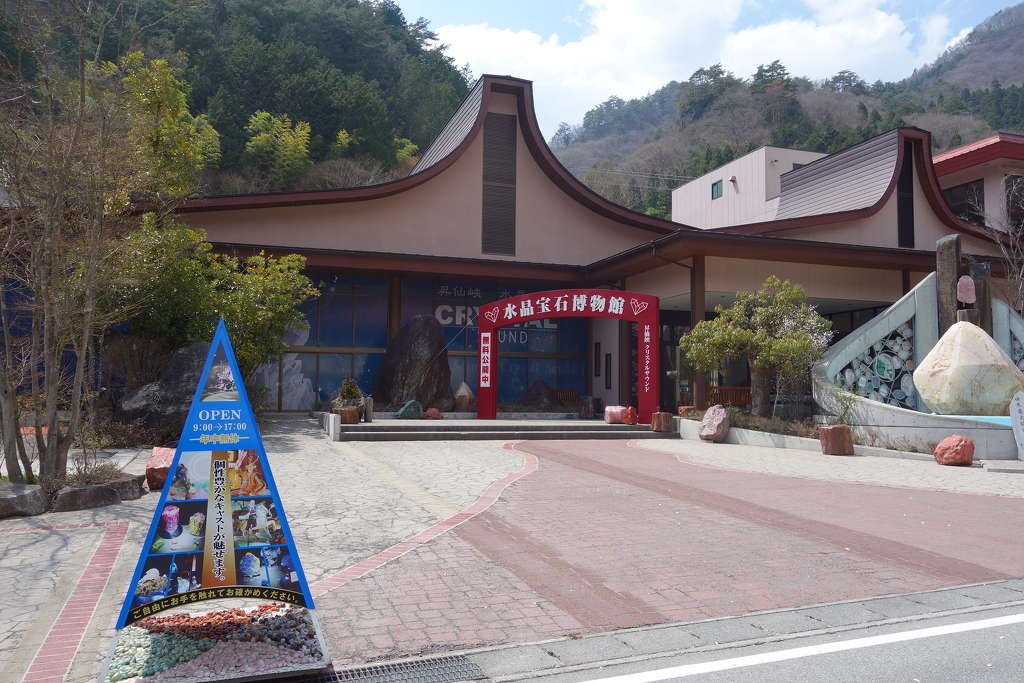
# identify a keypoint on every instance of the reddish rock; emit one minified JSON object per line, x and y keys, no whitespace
{"x":157,"y":466}
{"x":630,"y":417}
{"x":965,"y":291}
{"x":433,"y":414}
{"x":715,"y":425}
{"x":349,"y":415}
{"x":836,"y":440}
{"x":661,"y":422}
{"x":955,"y":450}
{"x":614,"y":415}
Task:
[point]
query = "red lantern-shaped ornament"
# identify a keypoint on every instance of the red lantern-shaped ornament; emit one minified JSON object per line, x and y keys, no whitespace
{"x":630,"y":416}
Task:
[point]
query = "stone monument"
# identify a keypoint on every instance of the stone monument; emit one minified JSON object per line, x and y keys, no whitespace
{"x":967,"y":373}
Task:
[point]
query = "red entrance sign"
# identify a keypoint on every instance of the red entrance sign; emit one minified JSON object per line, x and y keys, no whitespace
{"x":573,"y":303}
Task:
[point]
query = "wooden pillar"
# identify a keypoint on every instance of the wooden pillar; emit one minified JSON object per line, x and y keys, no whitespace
{"x":697,"y":312}
{"x":981,"y":273}
{"x":947,"y":271}
{"x":905,"y":280}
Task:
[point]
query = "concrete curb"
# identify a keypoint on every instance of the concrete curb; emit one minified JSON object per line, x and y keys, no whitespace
{"x":566,"y":655}
{"x":690,"y":429}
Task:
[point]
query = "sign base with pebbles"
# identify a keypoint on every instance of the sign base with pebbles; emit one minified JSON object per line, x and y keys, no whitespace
{"x":219,"y":533}
{"x":237,"y":644}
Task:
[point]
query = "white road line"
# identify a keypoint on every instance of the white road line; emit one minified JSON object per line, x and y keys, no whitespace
{"x":809,"y":651}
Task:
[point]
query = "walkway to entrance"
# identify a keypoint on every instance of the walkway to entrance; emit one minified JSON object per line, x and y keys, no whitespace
{"x":441,"y":430}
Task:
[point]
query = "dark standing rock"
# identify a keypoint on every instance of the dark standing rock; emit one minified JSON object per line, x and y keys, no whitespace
{"x":955,"y":450}
{"x":836,"y":440}
{"x":540,"y":396}
{"x":167,"y":400}
{"x":83,"y":497}
{"x":129,"y":486}
{"x":21,"y":499}
{"x":415,"y":366}
{"x":715,"y":425}
{"x":412,"y":410}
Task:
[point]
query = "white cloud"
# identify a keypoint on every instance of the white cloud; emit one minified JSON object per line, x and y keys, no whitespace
{"x":632,"y":47}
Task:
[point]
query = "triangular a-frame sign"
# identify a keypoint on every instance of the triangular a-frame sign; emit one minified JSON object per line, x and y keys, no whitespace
{"x":219,"y":530}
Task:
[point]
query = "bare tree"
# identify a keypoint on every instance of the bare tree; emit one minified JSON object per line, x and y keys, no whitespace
{"x":80,"y":141}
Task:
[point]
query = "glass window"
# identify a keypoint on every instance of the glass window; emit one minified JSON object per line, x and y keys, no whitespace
{"x":334,"y":368}
{"x":371,"y":320}
{"x":572,"y":374}
{"x":365,"y":367}
{"x":1014,"y":186}
{"x":335,"y":320}
{"x":967,"y":201}
{"x":716,"y":189}
{"x":298,"y":381}
{"x":513,"y":373}
{"x":543,"y":369}
{"x":266,"y":375}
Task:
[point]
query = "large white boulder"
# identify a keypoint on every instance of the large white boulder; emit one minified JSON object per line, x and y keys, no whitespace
{"x":967,"y":373}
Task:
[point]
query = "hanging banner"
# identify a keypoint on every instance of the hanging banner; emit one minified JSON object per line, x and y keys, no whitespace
{"x":219,"y":530}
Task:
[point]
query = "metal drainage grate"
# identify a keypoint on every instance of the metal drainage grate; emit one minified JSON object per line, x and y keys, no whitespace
{"x":449,"y":669}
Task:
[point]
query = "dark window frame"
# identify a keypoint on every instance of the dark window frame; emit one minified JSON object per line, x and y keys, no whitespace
{"x":717,"y":189}
{"x":607,"y":371}
{"x":967,"y":200}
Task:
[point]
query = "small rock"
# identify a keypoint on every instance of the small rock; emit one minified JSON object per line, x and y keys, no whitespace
{"x":21,"y":499}
{"x":715,"y":425}
{"x":836,"y":440}
{"x":412,"y":410}
{"x":157,"y":466}
{"x":129,"y":486}
{"x":464,"y":399}
{"x":83,"y":497}
{"x":661,"y":422}
{"x":630,"y":417}
{"x":955,"y":450}
{"x":614,"y":415}
{"x":433,"y":414}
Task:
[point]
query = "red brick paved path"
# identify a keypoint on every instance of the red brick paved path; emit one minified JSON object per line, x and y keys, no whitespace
{"x":605,"y":536}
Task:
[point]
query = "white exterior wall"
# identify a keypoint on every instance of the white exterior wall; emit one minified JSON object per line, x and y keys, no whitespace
{"x":751,"y":198}
{"x":605,"y":332}
{"x":992,"y":174}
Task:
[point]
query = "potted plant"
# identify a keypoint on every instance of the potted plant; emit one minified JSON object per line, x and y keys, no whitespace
{"x":351,"y":396}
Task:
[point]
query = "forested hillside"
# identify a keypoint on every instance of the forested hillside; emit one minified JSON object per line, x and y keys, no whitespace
{"x":634,"y":152}
{"x":303,"y":94}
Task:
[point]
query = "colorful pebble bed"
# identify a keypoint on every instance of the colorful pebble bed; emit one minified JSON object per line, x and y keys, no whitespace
{"x":220,"y":645}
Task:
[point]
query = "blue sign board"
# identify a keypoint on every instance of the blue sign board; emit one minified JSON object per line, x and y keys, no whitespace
{"x":219,"y":530}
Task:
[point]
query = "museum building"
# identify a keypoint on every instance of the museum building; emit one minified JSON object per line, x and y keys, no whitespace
{"x":489,"y":212}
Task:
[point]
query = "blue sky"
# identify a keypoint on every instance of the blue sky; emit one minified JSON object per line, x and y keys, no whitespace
{"x":580,"y":52}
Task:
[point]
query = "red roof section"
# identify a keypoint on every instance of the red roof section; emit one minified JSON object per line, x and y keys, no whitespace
{"x":998,"y":146}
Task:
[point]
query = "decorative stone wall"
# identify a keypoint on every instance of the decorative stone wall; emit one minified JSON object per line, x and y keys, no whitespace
{"x":1016,"y":351}
{"x":884,"y":371}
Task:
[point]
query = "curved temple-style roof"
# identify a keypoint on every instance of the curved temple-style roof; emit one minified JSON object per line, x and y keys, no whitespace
{"x":856,"y":183}
{"x":450,"y":143}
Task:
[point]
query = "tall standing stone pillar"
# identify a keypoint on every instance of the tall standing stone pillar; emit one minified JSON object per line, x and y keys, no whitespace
{"x":947,"y":270}
{"x":981,"y":273}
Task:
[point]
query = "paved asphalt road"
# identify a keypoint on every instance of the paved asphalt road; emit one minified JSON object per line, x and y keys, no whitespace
{"x":986,"y":646}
